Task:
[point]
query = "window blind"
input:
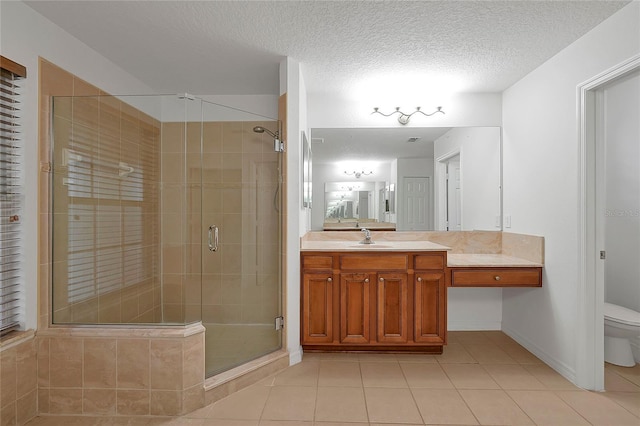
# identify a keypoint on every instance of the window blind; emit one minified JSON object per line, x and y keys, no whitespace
{"x":11,"y":196}
{"x":109,"y":170}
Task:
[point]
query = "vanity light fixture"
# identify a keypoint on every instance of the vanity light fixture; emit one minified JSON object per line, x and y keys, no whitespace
{"x":349,"y":187}
{"x":358,"y":174}
{"x":403,"y":118}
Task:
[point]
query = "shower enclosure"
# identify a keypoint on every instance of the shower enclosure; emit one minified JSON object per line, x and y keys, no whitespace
{"x":166,"y":210}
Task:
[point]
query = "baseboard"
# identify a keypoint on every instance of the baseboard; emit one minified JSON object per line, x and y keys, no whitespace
{"x":635,"y":348}
{"x":563,"y":369}
{"x":295,"y":356}
{"x":473,"y":325}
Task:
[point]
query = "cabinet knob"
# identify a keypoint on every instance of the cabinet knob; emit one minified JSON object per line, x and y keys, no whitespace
{"x":419,"y":279}
{"x":381,"y":279}
{"x":497,"y":278}
{"x":329,"y":279}
{"x":366,"y":280}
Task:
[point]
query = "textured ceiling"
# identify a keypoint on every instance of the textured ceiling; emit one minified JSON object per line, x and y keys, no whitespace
{"x":234,"y":47}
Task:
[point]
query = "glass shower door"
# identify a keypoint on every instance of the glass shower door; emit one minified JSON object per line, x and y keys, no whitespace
{"x":241,"y":232}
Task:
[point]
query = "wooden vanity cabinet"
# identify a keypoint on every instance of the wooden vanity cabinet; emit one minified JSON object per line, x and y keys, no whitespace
{"x":355,"y":307}
{"x":430,"y":307}
{"x":317,"y":307}
{"x":318,"y":299}
{"x":496,"y":277}
{"x":392,"y":316}
{"x":355,"y":301}
{"x":359,"y":292}
{"x":430,"y":299}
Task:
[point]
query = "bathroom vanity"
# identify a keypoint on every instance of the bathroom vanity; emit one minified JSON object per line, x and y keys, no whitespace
{"x":383,"y":300}
{"x":391,"y":296}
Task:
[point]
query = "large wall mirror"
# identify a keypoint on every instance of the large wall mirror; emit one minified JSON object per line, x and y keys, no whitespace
{"x":407,"y":179}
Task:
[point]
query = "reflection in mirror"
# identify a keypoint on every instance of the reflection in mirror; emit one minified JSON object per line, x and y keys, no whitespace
{"x":356,"y":205}
{"x":349,"y":200}
{"x":390,"y":198}
{"x":306,"y":172}
{"x":420,"y":178}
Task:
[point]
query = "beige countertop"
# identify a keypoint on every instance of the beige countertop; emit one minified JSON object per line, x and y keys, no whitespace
{"x":488,"y":260}
{"x":350,"y":246}
{"x":464,"y":248}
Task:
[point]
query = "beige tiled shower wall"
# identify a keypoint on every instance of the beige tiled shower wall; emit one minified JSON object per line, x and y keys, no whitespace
{"x":120,"y":371}
{"x":106,"y":130}
{"x":222,"y":174}
{"x":18,"y":378}
{"x":180,"y":225}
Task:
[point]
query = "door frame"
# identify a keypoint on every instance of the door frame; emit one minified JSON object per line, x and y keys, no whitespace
{"x":440,"y":186}
{"x":590,"y":289}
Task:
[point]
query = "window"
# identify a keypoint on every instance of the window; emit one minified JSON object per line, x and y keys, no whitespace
{"x":11,"y":195}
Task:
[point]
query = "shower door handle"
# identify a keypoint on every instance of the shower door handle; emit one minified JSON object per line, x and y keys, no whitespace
{"x":213,"y":238}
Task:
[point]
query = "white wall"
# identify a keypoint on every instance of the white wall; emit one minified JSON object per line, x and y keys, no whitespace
{"x":26,"y":36}
{"x":252,"y":105}
{"x":393,"y":180}
{"x":292,"y":83}
{"x":474,"y":308}
{"x":218,"y":108}
{"x":479,"y":149}
{"x":541,"y":182}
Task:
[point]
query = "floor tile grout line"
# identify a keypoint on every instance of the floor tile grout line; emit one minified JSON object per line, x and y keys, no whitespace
{"x":519,"y":406}
{"x":620,"y":405}
{"x":464,"y":401}
{"x":315,"y":402}
{"x":508,"y":389}
{"x":571,"y":407}
{"x":264,"y":407}
{"x":619,"y":374}
{"x":461,"y":397}
{"x":604,"y":394}
{"x":533,"y":390}
{"x":364,"y":393}
{"x":413,"y":397}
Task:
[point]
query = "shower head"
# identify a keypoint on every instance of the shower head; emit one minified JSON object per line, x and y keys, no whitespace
{"x":260,"y":129}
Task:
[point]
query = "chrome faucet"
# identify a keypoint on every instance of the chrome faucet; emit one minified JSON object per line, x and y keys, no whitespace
{"x":367,"y":237}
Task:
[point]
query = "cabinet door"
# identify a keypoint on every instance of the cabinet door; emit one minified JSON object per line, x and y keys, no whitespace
{"x":355,"y":311}
{"x":317,"y":308}
{"x":429,"y":309}
{"x":392,"y":302}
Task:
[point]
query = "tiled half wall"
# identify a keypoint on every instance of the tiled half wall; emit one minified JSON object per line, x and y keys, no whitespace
{"x":18,"y":378}
{"x":121,"y":371}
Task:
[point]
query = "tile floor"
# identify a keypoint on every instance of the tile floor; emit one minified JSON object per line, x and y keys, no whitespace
{"x":482,"y":378}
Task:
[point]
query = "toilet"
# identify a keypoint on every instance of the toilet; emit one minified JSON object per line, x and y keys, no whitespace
{"x":620,"y":325}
